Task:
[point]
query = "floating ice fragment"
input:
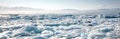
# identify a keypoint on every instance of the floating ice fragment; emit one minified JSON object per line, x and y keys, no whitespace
{"x":1,"y":30}
{"x":4,"y":37}
{"x":32,"y":28}
{"x":39,"y":38}
{"x":51,"y":25}
{"x":106,"y":30}
{"x":23,"y":34}
{"x":47,"y":33}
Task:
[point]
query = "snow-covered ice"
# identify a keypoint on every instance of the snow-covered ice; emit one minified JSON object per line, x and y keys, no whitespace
{"x":54,"y":26}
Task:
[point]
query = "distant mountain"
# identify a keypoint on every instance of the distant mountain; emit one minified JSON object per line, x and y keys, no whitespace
{"x":102,"y":11}
{"x":28,"y":10}
{"x":17,"y":8}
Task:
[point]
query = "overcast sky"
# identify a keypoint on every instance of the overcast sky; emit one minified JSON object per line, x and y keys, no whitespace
{"x":62,"y":4}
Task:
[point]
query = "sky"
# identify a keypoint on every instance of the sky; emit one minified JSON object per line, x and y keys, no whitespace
{"x":62,"y":4}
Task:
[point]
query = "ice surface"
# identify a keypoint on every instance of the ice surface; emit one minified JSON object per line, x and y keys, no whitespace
{"x":54,"y":26}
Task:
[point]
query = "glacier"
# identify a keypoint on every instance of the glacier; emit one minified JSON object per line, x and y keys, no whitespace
{"x":59,"y":26}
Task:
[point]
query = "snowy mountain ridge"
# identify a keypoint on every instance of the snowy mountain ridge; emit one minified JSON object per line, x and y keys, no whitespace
{"x":27,"y":10}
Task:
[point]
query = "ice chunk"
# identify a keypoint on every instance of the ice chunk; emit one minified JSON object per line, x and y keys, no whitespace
{"x":14,"y":18}
{"x":106,"y":30}
{"x":32,"y":28}
{"x":28,"y":18}
{"x":47,"y":33}
{"x":4,"y":37}
{"x":1,"y":30}
{"x":41,"y":18}
{"x":52,"y":25}
{"x":54,"y":18}
{"x":23,"y":34}
{"x":39,"y":38}
{"x":111,"y":16}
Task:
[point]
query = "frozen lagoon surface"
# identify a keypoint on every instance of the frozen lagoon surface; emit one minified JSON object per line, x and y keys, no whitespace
{"x":54,"y":26}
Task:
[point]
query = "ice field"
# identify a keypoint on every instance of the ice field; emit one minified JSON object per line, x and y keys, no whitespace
{"x":59,"y":26}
